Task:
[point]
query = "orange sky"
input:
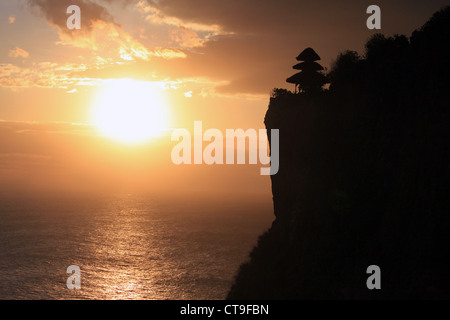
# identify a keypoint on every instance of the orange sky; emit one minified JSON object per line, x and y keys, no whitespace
{"x":214,"y":61}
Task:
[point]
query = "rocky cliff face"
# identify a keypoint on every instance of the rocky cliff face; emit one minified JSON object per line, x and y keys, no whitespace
{"x":363,"y":178}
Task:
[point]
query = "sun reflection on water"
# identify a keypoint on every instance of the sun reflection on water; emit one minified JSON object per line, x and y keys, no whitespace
{"x":127,"y":247}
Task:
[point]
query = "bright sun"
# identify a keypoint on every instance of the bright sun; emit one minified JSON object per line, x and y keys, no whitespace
{"x":130,"y":111}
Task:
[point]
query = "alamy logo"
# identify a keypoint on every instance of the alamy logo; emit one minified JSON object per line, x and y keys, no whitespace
{"x":374,"y":281}
{"x":213,"y":153}
{"x":74,"y":21}
{"x":74,"y":281}
{"x":374,"y":21}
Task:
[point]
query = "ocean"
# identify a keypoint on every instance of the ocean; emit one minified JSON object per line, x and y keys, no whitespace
{"x":127,"y":246}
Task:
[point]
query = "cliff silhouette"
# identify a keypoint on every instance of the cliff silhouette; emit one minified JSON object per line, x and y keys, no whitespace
{"x":363,"y":178}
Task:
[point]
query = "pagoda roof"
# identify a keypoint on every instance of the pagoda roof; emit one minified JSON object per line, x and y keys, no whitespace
{"x":308,"y":55}
{"x":306,"y":77}
{"x":308,"y":65}
{"x":296,"y":78}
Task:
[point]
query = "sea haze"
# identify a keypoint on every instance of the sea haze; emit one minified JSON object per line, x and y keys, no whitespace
{"x":127,"y":246}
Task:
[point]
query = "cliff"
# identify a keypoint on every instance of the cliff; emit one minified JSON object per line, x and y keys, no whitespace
{"x":363,"y":178}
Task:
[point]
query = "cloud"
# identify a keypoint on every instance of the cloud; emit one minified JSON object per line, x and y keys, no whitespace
{"x":43,"y":75}
{"x":18,"y":53}
{"x":99,"y":32}
{"x":187,"y":34}
{"x":291,"y":16}
{"x":110,"y":40}
{"x":238,"y":16}
{"x":55,"y":13}
{"x":11,"y":19}
{"x":186,"y":38}
{"x":156,"y":16}
{"x":45,"y":127}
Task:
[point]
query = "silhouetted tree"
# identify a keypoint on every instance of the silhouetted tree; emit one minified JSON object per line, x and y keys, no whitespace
{"x":310,"y":78}
{"x":280,"y":92}
{"x":344,"y":70}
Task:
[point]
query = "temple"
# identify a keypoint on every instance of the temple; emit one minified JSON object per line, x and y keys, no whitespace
{"x":310,"y":78}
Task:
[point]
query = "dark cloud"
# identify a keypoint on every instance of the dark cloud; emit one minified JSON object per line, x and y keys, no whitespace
{"x":294,"y":16}
{"x":55,"y":12}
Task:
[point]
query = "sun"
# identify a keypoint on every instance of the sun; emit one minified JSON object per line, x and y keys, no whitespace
{"x":130,"y":111}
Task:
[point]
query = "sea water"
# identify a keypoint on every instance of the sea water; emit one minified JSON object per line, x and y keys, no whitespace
{"x":127,"y":246}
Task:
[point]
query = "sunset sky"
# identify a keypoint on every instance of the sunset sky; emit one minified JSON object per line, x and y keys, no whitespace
{"x":214,"y":61}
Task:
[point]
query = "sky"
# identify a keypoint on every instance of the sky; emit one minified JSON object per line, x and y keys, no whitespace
{"x":208,"y":60}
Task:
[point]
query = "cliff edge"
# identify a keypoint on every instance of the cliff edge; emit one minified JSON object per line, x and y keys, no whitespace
{"x":363,"y":178}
